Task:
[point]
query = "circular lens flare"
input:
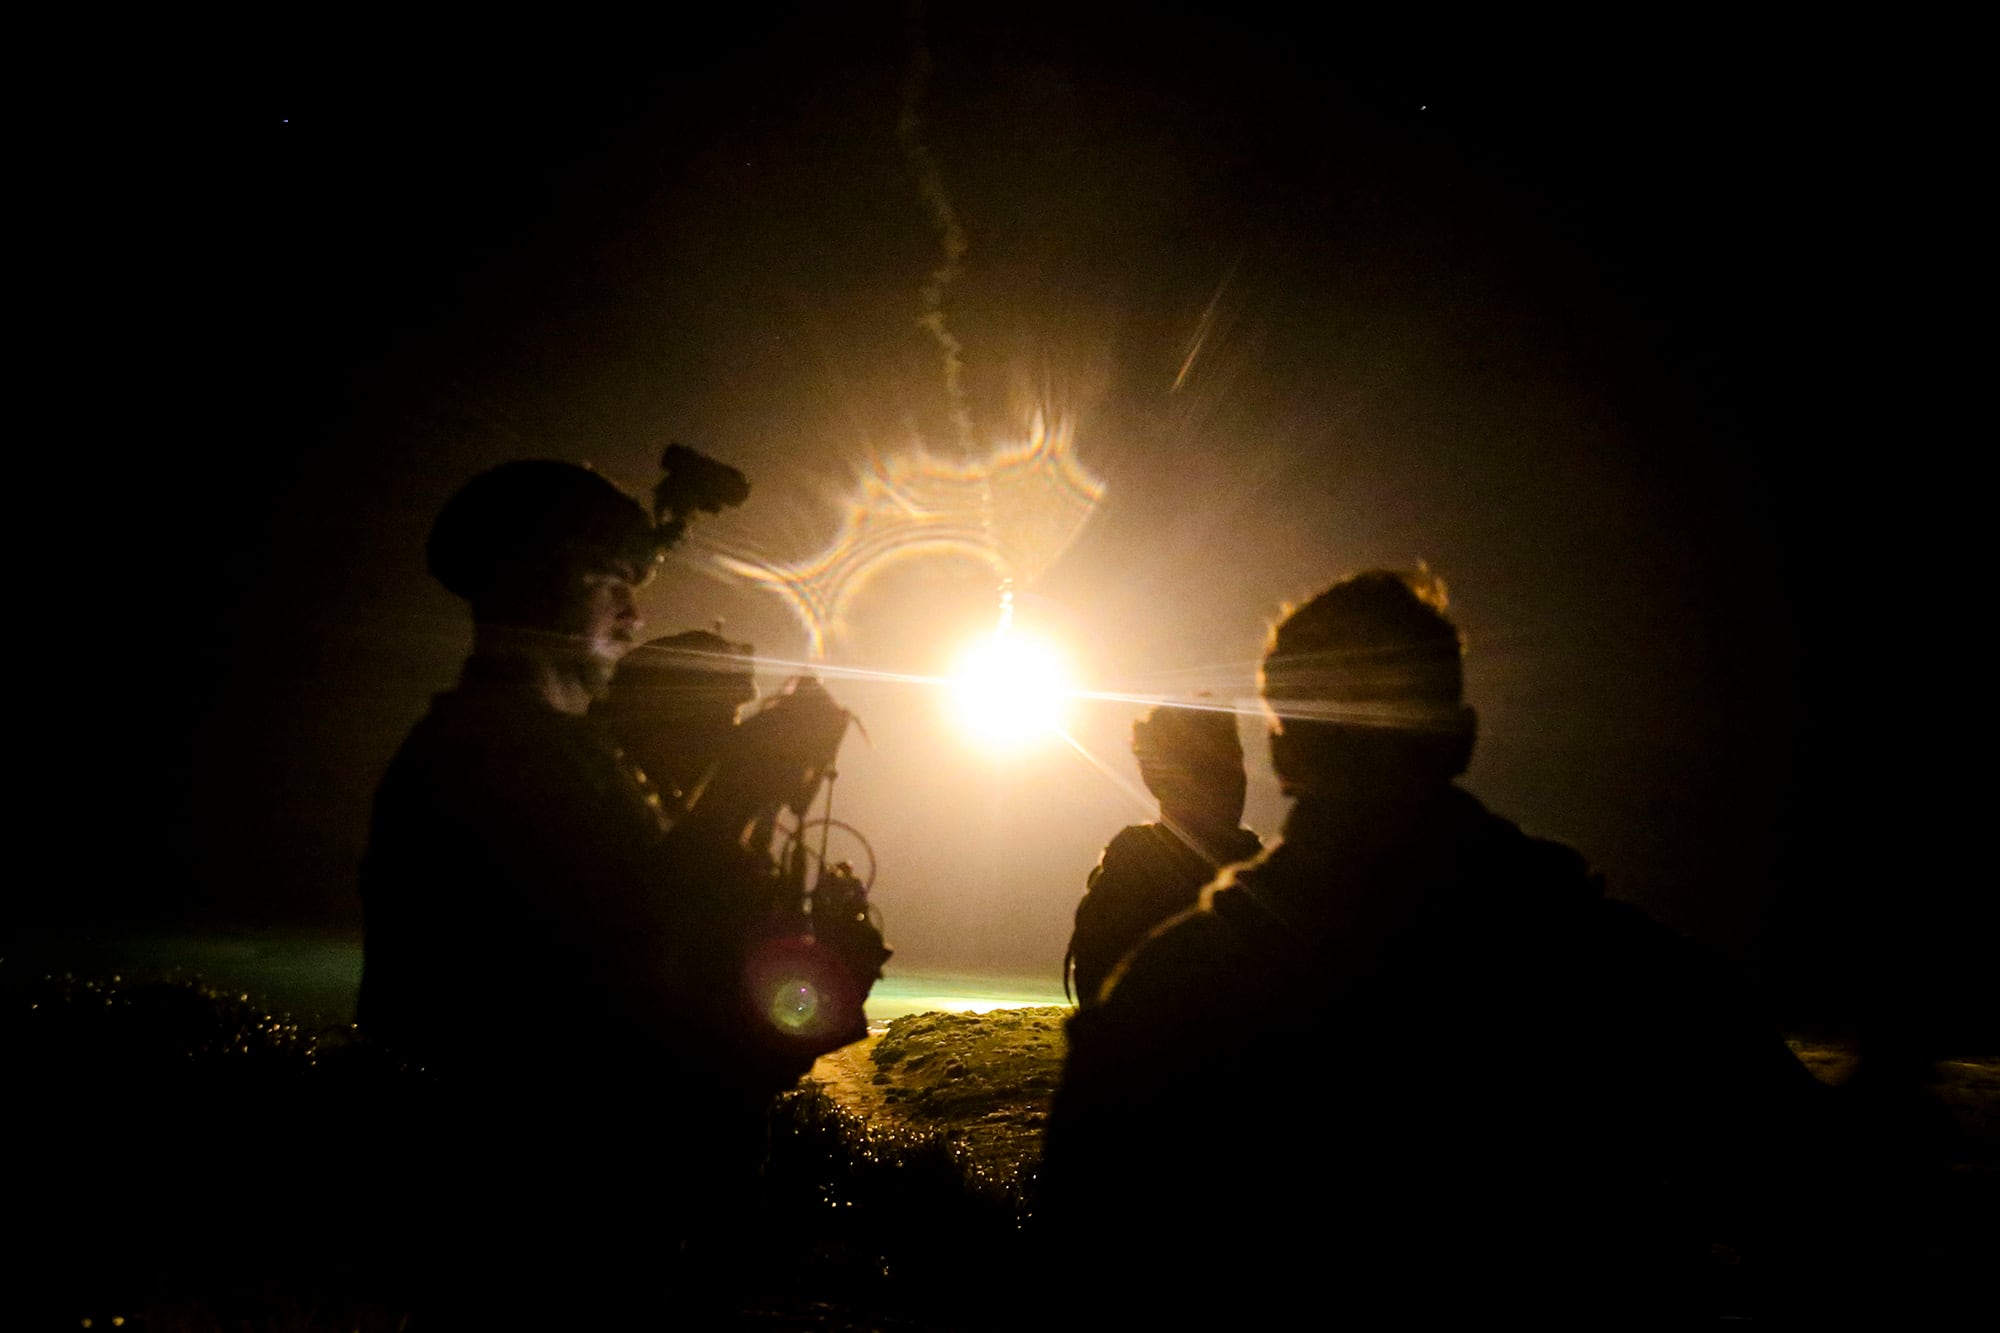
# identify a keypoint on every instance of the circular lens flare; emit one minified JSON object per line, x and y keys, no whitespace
{"x":794,"y":1004}
{"x":1009,"y":691}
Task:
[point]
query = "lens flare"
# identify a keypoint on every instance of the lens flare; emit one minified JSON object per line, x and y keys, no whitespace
{"x":1010,"y":691}
{"x":1015,"y":511}
{"x":794,"y":1005}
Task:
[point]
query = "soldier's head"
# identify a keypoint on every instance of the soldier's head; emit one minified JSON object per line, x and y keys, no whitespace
{"x":550,"y":553}
{"x":1191,"y":759}
{"x":1364,"y":685}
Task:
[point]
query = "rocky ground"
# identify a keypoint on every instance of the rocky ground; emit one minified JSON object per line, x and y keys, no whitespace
{"x":902,"y":1182}
{"x":977,"y":1089}
{"x":979,"y":1084}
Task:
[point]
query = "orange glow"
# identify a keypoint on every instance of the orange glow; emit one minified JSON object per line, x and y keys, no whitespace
{"x":1010,"y":691}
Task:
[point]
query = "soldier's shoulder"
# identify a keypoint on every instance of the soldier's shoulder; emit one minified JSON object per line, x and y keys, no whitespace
{"x":1244,"y":845}
{"x":1551,"y":871}
{"x":465,"y":754}
{"x":1185,"y":962}
{"x":1172,"y":1006}
{"x":440,"y":746}
{"x":1135,"y":855}
{"x":1133,"y":840}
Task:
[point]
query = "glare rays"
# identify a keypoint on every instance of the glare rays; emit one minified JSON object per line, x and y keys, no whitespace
{"x":1207,"y":327}
{"x":1140,"y":797}
{"x":1030,"y":715}
{"x":1118,"y":778}
{"x":1397,"y":715}
{"x":1394,"y":686}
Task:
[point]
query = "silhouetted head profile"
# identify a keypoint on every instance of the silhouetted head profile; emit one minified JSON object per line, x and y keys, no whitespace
{"x":1191,"y":759}
{"x":551,"y":557}
{"x":513,"y":539}
{"x":674,"y":703}
{"x":1364,"y":685}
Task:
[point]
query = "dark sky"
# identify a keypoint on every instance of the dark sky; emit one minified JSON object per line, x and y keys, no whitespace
{"x":1571,"y":316}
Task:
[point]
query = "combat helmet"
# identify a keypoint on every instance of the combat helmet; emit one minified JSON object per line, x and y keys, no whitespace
{"x":513,"y":534}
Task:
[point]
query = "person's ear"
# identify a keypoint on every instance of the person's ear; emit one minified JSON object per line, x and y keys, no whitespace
{"x":1467,"y":735}
{"x":1284,"y":754}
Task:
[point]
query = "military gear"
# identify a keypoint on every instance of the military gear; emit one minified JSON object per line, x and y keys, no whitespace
{"x":673,"y":707}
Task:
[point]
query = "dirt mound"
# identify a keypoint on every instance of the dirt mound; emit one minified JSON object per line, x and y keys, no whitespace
{"x":980,"y":1083}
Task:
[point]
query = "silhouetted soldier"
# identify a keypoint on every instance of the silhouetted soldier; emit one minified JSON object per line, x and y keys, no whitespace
{"x":1192,"y":762}
{"x":1410,"y":1062}
{"x":566,"y":973}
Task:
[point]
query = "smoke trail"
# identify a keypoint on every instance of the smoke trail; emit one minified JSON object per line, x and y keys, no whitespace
{"x":1015,"y":504}
{"x":930,"y":180}
{"x":909,"y":132}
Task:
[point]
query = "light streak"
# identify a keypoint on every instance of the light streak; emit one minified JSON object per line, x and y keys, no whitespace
{"x":1205,"y":326}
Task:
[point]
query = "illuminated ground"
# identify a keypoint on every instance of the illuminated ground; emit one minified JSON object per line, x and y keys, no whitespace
{"x":906,"y":1178}
{"x":314,"y":978}
{"x":921,"y":993}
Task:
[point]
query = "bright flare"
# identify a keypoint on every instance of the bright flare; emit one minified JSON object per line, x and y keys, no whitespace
{"x":1009,"y":691}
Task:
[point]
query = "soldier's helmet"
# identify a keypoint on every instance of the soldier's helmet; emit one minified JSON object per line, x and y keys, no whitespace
{"x":512,"y":531}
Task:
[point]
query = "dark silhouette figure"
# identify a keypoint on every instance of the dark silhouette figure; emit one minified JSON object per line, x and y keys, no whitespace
{"x":1417,"y":1064}
{"x":575,"y":976}
{"x":1192,"y":762}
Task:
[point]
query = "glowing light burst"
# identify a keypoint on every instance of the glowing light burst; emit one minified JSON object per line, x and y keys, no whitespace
{"x":1010,"y":690}
{"x":1017,"y":512}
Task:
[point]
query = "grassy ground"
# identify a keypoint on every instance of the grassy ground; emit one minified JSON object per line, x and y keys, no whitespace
{"x":180,"y":1167}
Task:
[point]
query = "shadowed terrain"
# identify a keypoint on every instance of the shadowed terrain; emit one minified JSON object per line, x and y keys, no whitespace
{"x":191,"y":1163}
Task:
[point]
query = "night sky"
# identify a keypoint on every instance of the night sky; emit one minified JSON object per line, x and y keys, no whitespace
{"x":1583,"y":319}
